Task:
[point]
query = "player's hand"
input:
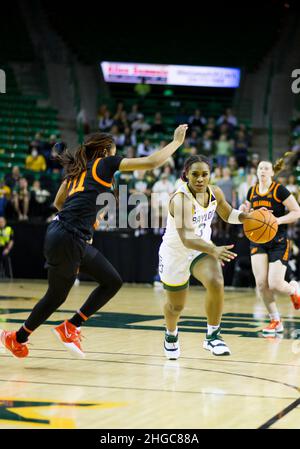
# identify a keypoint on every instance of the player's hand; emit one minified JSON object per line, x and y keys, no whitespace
{"x":222,"y":253}
{"x":179,"y":134}
{"x":244,"y":208}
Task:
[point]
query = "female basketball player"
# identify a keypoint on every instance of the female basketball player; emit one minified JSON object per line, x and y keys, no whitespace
{"x":269,"y":261}
{"x":187,"y":249}
{"x":88,"y":173}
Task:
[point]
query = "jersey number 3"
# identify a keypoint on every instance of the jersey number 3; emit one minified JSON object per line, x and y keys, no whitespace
{"x":77,"y":185}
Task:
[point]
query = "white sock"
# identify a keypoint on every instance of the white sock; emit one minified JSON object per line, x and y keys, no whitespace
{"x":211,"y":329}
{"x":175,"y":332}
{"x":274,"y":316}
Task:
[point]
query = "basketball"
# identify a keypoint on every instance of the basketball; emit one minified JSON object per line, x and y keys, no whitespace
{"x":261,"y":227}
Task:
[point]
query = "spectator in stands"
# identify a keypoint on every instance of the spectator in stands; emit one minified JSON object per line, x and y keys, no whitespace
{"x":138,"y":185}
{"x":38,"y":142}
{"x":35,"y":161}
{"x":197,"y":121}
{"x":144,"y":148}
{"x":163,"y":188}
{"x":20,"y":199}
{"x":6,"y":240}
{"x":254,"y":161}
{"x":241,"y":149}
{"x":13,"y":178}
{"x":158,"y":126}
{"x":47,"y":149}
{"x":207,"y":146}
{"x":223,"y":150}
{"x":101,"y":112}
{"x":142,"y":90}
{"x":122,"y":122}
{"x":139,"y":126}
{"x":5,"y":193}
{"x":232,"y":165}
{"x":133,"y":114}
{"x":167,"y":170}
{"x":83,"y":121}
{"x":229,"y":117}
{"x":194,"y":140}
{"x":115,"y":132}
{"x":105,"y":122}
{"x":39,"y":201}
{"x":251,"y":179}
{"x":127,"y":138}
{"x":130,"y":152}
{"x":119,"y":110}
{"x":216,"y":175}
{"x":293,"y":187}
{"x":227,"y":186}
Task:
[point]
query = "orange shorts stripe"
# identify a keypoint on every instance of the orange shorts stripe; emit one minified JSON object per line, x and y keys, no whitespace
{"x":286,"y":254}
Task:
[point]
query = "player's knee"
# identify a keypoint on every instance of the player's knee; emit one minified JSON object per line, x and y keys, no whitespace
{"x":274,"y":285}
{"x":117,"y":282}
{"x":215,"y":283}
{"x":262,"y":285}
{"x":175,"y":309}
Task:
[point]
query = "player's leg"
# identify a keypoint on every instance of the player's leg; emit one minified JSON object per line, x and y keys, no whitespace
{"x":209,"y":272}
{"x":260,"y":268}
{"x":63,"y":252}
{"x":173,"y":307}
{"x":99,"y":268}
{"x":279,"y":257}
{"x":174,"y":274}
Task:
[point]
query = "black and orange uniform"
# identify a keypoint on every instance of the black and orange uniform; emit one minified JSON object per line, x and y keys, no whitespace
{"x":67,"y":249}
{"x":279,"y":247}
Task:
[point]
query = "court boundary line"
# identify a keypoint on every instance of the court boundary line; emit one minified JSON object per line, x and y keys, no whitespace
{"x":280,"y":414}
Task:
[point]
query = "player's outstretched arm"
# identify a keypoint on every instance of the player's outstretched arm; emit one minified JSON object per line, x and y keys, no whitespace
{"x":159,"y":157}
{"x":226,"y":211}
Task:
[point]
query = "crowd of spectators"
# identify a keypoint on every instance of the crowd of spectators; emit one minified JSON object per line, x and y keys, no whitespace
{"x":28,"y":193}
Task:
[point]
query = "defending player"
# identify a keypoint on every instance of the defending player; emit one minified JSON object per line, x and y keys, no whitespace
{"x":269,"y":261}
{"x":89,"y":172}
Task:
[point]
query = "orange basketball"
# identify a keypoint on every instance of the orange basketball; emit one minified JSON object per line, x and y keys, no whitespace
{"x":261,"y":227}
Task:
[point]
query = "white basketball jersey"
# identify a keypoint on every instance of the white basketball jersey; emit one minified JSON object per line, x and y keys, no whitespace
{"x":202,"y":219}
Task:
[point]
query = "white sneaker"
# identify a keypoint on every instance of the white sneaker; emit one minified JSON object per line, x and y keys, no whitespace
{"x":171,"y":347}
{"x":215,"y":344}
{"x":273,"y":327}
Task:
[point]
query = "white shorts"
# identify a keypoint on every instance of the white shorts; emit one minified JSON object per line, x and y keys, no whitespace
{"x":175,"y":266}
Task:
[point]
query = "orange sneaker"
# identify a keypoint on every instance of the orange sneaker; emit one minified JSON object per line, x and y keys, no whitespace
{"x":70,"y":336}
{"x":273,"y":327}
{"x":8,"y":340}
{"x":296,"y":297}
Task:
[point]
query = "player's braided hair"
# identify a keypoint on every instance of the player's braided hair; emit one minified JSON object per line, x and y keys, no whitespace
{"x":190,"y":161}
{"x":94,"y":146}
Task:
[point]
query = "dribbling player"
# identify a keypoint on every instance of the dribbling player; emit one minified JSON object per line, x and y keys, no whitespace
{"x":187,"y":249}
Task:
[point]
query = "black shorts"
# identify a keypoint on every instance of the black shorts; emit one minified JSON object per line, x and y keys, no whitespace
{"x":64,"y":250}
{"x":278,"y":249}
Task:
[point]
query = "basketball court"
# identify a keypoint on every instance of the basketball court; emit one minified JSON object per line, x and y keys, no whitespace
{"x":125,"y":382}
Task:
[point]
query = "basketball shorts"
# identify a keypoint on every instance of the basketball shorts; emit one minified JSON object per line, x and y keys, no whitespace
{"x":175,"y":266}
{"x":278,"y":249}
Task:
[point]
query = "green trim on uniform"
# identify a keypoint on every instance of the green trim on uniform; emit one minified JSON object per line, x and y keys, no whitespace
{"x":177,"y":288}
{"x":196,"y":260}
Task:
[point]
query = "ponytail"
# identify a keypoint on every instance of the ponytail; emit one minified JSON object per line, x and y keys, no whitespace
{"x":279,"y":165}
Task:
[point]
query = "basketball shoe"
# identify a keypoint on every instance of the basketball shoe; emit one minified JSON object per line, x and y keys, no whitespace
{"x":70,"y":336}
{"x":8,"y":341}
{"x":274,"y":327}
{"x":296,"y":297}
{"x":171,"y":346}
{"x":215,"y":344}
